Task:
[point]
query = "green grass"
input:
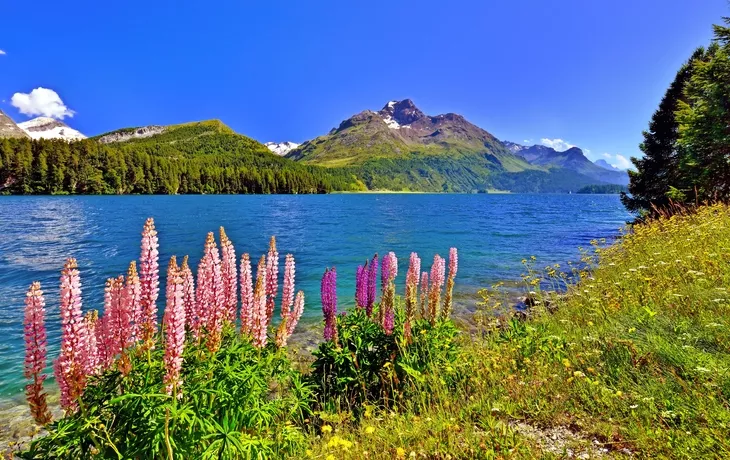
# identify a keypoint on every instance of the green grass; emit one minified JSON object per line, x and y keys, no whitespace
{"x":633,"y":358}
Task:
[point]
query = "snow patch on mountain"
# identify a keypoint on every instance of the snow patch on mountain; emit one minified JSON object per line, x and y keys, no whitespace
{"x":50,"y":128}
{"x":281,"y":148}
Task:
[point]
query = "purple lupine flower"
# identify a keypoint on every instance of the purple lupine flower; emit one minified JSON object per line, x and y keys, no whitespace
{"x":438,"y":272}
{"x":385,"y":272}
{"x":329,"y":304}
{"x":361,"y":285}
{"x":372,"y":288}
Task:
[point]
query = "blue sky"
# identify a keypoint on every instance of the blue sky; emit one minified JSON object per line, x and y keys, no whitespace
{"x":587,"y":72}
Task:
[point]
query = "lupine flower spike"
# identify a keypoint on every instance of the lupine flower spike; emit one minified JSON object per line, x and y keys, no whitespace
{"x":230,"y":277}
{"x":70,"y":366}
{"x":211,"y":300}
{"x":189,"y":296}
{"x":247,"y":304}
{"x":438,"y":270}
{"x":387,"y":305}
{"x":174,"y":325}
{"x":296,"y":313}
{"x":411,"y":299}
{"x":361,"y":285}
{"x":372,"y":288}
{"x":424,"y":295}
{"x":92,"y":349}
{"x":259,"y":319}
{"x":133,"y":299}
{"x":35,"y":353}
{"x":448,"y":297}
{"x":272,"y":278}
{"x":150,"y":282}
{"x":287,"y":302}
{"x":328,"y":292}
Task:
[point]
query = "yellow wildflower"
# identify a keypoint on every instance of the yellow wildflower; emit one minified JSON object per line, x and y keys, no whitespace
{"x":400,"y":452}
{"x":327,"y":429}
{"x":370,"y":430}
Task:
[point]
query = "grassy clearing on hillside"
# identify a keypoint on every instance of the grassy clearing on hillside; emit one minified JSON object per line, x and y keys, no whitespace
{"x":635,"y":359}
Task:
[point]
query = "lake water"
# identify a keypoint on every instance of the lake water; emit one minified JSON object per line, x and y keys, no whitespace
{"x":492,"y":232}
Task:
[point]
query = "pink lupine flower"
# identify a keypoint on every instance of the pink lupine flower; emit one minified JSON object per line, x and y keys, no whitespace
{"x":260,"y":320}
{"x":70,"y":366}
{"x":287,"y":292}
{"x":121,"y":316}
{"x":296,"y":313}
{"x":438,"y":272}
{"x":424,"y":294}
{"x":150,"y":282}
{"x":287,"y":301}
{"x":230,"y":277}
{"x":133,"y":302}
{"x":247,"y":299}
{"x":173,"y":273}
{"x":411,"y":297}
{"x":211,"y":300}
{"x":272,"y":277}
{"x":93,"y":363}
{"x":448,"y":297}
{"x":453,"y":262}
{"x":328,"y":291}
{"x":174,"y":325}
{"x":35,"y":353}
{"x":104,"y":355}
{"x":191,"y":318}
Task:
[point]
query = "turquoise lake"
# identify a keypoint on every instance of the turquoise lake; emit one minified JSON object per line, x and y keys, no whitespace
{"x":492,"y":232}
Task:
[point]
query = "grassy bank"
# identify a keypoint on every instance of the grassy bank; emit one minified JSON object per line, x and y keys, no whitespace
{"x":634,"y":359}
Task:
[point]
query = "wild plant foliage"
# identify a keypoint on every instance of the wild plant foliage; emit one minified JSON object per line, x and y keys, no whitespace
{"x":207,"y":382}
{"x":375,"y":355}
{"x":196,"y":387}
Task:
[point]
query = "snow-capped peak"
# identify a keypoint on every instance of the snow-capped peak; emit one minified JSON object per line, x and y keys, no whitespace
{"x":50,"y":128}
{"x":281,"y":148}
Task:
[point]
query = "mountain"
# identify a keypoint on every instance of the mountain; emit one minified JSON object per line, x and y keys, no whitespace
{"x":604,"y":164}
{"x":8,"y":128}
{"x":401,"y":148}
{"x":572,"y":159}
{"x":281,"y":148}
{"x":50,"y":128}
{"x":398,"y":129}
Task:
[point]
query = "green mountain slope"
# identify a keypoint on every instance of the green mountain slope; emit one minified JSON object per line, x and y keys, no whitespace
{"x":201,"y":157}
{"x":401,"y":148}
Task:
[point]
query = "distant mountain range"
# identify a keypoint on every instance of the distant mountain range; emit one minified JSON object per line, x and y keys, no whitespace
{"x":572,"y":159}
{"x":396,"y":148}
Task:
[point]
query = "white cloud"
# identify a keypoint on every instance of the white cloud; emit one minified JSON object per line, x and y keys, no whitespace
{"x":527,"y":141}
{"x":622,"y":162}
{"x":557,"y":144}
{"x":41,"y":101}
{"x":2,"y":53}
{"x":618,"y":161}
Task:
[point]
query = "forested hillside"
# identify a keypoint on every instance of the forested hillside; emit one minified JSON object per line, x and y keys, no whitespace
{"x":204,"y":157}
